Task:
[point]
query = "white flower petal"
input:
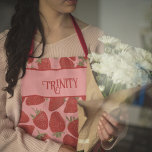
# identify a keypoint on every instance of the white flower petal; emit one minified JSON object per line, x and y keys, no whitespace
{"x":102,"y":88}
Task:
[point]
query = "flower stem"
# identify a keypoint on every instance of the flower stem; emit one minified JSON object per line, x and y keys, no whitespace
{"x":111,"y":88}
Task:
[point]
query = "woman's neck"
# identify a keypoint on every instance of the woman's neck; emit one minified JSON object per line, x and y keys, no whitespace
{"x":53,"y":20}
{"x":56,"y":25}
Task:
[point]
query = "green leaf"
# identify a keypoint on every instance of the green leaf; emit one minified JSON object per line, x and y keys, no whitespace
{"x":70,"y":118}
{"x":38,"y":136}
{"x":38,"y":61}
{"x":79,"y":57}
{"x":104,"y":94}
{"x":37,"y":112}
{"x":81,"y":64}
{"x":32,"y":116}
{"x":67,"y":118}
{"x":76,"y":98}
{"x":59,"y":134}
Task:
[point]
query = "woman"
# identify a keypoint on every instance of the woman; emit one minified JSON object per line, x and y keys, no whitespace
{"x":45,"y":28}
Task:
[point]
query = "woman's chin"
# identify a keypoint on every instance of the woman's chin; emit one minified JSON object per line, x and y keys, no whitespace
{"x":70,"y":9}
{"x":70,"y":5}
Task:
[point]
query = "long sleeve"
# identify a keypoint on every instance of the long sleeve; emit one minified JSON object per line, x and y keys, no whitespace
{"x":14,"y":138}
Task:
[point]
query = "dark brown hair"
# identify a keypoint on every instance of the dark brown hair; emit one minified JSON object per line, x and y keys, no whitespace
{"x":24,"y":23}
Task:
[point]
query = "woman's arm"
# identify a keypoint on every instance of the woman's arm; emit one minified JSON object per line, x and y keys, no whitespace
{"x":14,"y":138}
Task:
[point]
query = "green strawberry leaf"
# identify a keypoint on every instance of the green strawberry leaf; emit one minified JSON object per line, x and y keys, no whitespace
{"x":81,"y":64}
{"x":58,"y":134}
{"x":37,"y":112}
{"x":47,"y":99}
{"x":70,"y":118}
{"x":79,"y":57}
{"x":39,"y":61}
{"x":67,"y":118}
{"x":38,"y":136}
{"x":76,"y":98}
{"x":32,"y":116}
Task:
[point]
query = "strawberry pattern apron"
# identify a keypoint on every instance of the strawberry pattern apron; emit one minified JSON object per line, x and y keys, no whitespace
{"x":50,"y":90}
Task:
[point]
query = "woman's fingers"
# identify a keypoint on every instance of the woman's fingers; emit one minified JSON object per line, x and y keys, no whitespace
{"x":106,"y":130}
{"x":108,"y":127}
{"x":117,"y":125}
{"x":102,"y":133}
{"x":111,"y":120}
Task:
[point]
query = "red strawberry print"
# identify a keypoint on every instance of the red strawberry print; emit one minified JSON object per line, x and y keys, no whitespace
{"x":44,"y":64}
{"x":23,"y":98}
{"x":24,"y":117}
{"x":30,"y":60}
{"x":57,"y":123}
{"x":66,"y":63}
{"x":55,"y":103}
{"x":83,"y":98}
{"x":42,"y":136}
{"x":78,"y":66}
{"x":73,"y":58}
{"x":71,"y":105}
{"x":40,"y":120}
{"x":73,"y":128}
{"x":45,"y":137}
{"x":69,"y":140}
{"x":28,"y":128}
{"x":34,"y":100}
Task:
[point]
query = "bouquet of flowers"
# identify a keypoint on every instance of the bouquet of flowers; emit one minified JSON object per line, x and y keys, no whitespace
{"x":119,"y":72}
{"x":120,"y":66}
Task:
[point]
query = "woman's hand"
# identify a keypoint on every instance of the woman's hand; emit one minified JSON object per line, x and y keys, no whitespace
{"x":109,"y":128}
{"x":66,"y":148}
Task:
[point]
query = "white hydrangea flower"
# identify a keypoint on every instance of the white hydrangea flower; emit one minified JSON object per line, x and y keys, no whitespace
{"x":122,"y":64}
{"x":142,"y":54}
{"x":109,"y":40}
{"x":146,"y":65}
{"x":96,"y":67}
{"x":102,"y":88}
{"x":94,"y":57}
{"x":122,"y":47}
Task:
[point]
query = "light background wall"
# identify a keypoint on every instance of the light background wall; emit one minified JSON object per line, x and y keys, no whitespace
{"x":89,"y":11}
{"x":6,"y":10}
{"x":123,"y":19}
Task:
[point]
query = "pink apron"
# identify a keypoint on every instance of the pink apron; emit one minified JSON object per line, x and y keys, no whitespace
{"x":50,"y":90}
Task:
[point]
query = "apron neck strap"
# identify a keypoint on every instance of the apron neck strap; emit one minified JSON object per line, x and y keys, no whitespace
{"x":32,"y":48}
{"x":80,"y":36}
